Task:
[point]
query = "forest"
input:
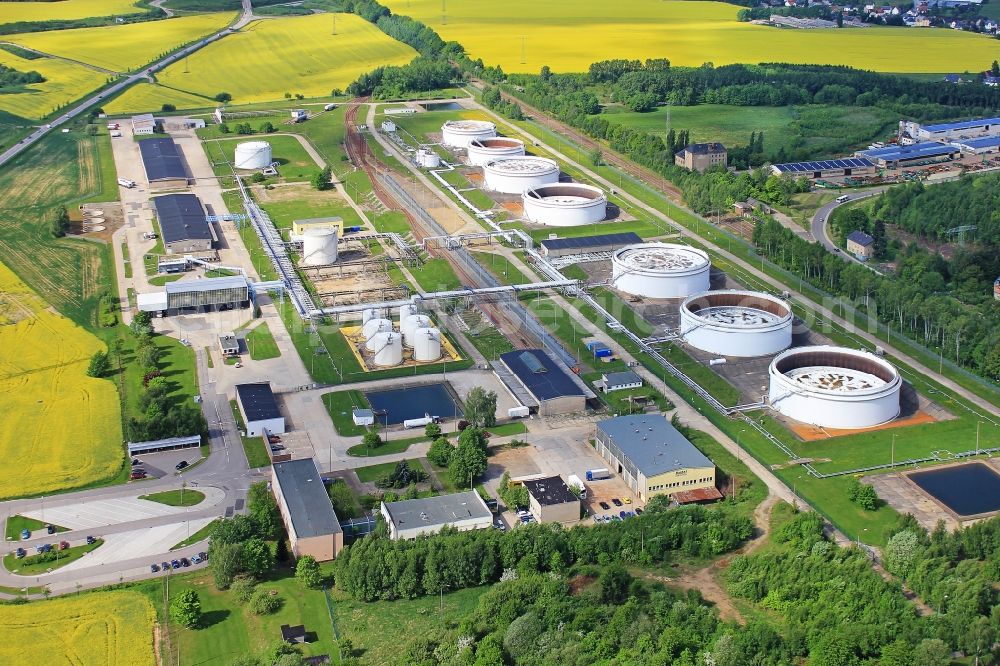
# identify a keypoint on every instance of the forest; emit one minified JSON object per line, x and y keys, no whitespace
{"x":11,"y":78}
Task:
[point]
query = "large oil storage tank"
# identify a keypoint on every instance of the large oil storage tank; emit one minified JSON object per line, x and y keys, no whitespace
{"x":426,"y":344}
{"x":252,"y":155}
{"x":736,"y":323}
{"x":319,"y":247}
{"x":519,"y":174}
{"x":410,"y":326}
{"x":564,"y":205}
{"x":482,"y":151}
{"x":373,"y":327}
{"x":834,"y":387}
{"x":660,"y":270}
{"x":458,"y":133}
{"x":387,"y":349}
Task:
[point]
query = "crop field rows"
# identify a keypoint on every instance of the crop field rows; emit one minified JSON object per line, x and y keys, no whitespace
{"x":64,"y":82}
{"x":524,"y":35}
{"x":16,"y":12}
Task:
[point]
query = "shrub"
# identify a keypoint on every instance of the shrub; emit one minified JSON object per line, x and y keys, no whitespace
{"x":264,"y":602}
{"x":243,"y":588}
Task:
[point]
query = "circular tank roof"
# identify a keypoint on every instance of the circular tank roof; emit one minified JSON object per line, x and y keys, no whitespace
{"x":496,"y":142}
{"x":468,"y":125}
{"x":738,"y":309}
{"x":661,"y":257}
{"x":827,"y":369}
{"x":523,"y":165}
{"x":567,"y":193}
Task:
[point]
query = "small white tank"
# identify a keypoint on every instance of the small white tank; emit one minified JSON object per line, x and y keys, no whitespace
{"x":252,"y":155}
{"x":428,"y":159}
{"x":387,"y":349}
{"x":373,"y":327}
{"x":370,"y":313}
{"x":410,"y":326}
{"x":426,"y":344}
{"x":405,"y":311}
{"x":319,"y":247}
{"x":388,"y":126}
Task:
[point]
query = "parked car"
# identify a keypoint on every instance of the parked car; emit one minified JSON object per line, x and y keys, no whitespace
{"x":153,"y":568}
{"x":25,"y":534}
{"x":277,"y":447}
{"x":638,"y":511}
{"x":50,"y":528}
{"x":21,"y":552}
{"x":174,"y":564}
{"x":165,"y":566}
{"x":90,"y":540}
{"x":137,"y":475}
{"x":627,"y":500}
{"x":274,"y":439}
{"x":136,"y":461}
{"x":605,"y":505}
{"x":63,"y":545}
{"x":181,"y":465}
{"x":40,"y":548}
{"x":623,"y":514}
{"x":185,"y":562}
{"x":521,"y":513}
{"x":195,"y":559}
{"x":616,"y":501}
{"x":203,"y":555}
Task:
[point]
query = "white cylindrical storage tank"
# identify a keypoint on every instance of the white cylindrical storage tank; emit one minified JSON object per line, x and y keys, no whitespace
{"x":252,"y":155}
{"x":388,"y":126}
{"x":660,"y":270}
{"x":405,"y":311}
{"x":387,"y":349}
{"x":410,"y":326}
{"x":426,"y":344}
{"x":428,"y":159}
{"x":482,"y":151}
{"x":518,"y":174}
{"x":736,"y":323}
{"x":373,"y":327}
{"x":565,"y":205}
{"x":371,"y":313}
{"x":319,"y":247}
{"x":834,"y":387}
{"x":458,"y":133}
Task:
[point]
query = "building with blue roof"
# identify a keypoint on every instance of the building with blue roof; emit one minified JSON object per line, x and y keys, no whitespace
{"x":981,"y":146}
{"x":861,"y":245}
{"x":965,"y":129}
{"x":553,"y":389}
{"x":895,"y":157}
{"x":839,"y":168}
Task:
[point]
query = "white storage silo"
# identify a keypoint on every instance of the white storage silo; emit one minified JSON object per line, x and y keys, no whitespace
{"x":252,"y":155}
{"x":458,"y":133}
{"x":736,"y":323}
{"x":565,"y":204}
{"x":405,"y":311}
{"x":660,"y":270}
{"x":427,"y":159}
{"x":371,"y":313}
{"x":482,"y":151}
{"x":319,"y":247}
{"x":373,"y":327}
{"x":410,"y":326}
{"x":518,"y":174}
{"x":426,"y":344}
{"x":387,"y":349}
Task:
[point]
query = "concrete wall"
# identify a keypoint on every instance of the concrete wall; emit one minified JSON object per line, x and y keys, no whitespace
{"x":691,"y":478}
{"x":566,"y":513}
{"x":323,"y":548}
{"x":274,"y":426}
{"x":563,"y":405}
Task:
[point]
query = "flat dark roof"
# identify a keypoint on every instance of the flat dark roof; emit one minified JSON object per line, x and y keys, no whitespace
{"x":161,"y":159}
{"x":258,"y":401}
{"x":583,"y":242}
{"x":550,"y":490}
{"x":540,"y":374}
{"x":305,"y":496}
{"x":860,"y":237}
{"x":705,"y":148}
{"x":181,"y":217}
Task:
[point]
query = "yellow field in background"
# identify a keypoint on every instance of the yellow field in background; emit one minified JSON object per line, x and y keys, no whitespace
{"x":96,"y":629}
{"x":122,"y":48}
{"x":150,"y":97}
{"x":268,"y":58}
{"x":60,"y":428}
{"x":64,"y":82}
{"x":568,"y":37}
{"x":13,"y":12}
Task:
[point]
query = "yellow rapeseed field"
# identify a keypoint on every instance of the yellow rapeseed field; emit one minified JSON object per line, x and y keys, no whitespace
{"x":268,"y":58}
{"x":93,"y":629}
{"x":150,"y":97}
{"x":122,"y":48}
{"x":13,"y":12}
{"x":64,"y":82}
{"x":569,"y":36}
{"x":58,"y":428}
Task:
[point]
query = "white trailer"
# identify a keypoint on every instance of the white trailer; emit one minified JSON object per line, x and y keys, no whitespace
{"x":574,"y":482}
{"x":597,"y":474}
{"x":418,"y":423}
{"x":125,"y":182}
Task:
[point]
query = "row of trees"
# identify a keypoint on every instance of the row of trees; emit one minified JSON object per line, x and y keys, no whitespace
{"x":239,"y":545}
{"x":391,"y":82}
{"x":378,"y":568}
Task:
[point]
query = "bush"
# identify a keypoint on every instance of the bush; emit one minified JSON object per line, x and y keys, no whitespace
{"x":223,"y":97}
{"x":168,"y":107}
{"x":185,"y":608}
{"x":264,"y":602}
{"x":242,"y":589}
{"x":307,"y":572}
{"x":440,"y":452}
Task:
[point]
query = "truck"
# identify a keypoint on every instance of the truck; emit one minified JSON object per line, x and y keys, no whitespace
{"x":518,"y":412}
{"x":419,"y":422}
{"x":125,"y":182}
{"x":575,"y":483}
{"x":597,"y":474}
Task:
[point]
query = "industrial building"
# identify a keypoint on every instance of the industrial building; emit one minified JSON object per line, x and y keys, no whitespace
{"x":299,"y":227}
{"x":144,"y":124}
{"x":896,"y":157}
{"x":205,"y":295}
{"x":163,"y":164}
{"x":654,"y":458}
{"x":482,"y":151}
{"x":834,"y":387}
{"x":861,"y":245}
{"x":736,"y":323}
{"x":551,"y":501}
{"x":965,"y":129}
{"x":409,"y":519}
{"x":259,"y":408}
{"x":459,"y":133}
{"x":363,"y":417}
{"x":620,"y":381}
{"x":519,"y":174}
{"x":540,"y":383}
{"x":981,"y":146}
{"x":229,"y":344}
{"x":306,"y":511}
{"x":660,"y":270}
{"x":169,"y":444}
{"x":701,"y":156}
{"x":849,"y":166}
{"x":184,"y":226}
{"x":560,"y":247}
{"x":564,"y":205}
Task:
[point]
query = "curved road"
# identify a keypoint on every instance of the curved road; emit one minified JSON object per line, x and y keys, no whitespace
{"x":821,"y":219}
{"x":23,"y":144}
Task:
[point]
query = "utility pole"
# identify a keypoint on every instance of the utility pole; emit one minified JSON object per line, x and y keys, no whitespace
{"x":524,"y":60}
{"x":335,"y":23}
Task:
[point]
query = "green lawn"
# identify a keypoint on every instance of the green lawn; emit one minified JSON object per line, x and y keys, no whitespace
{"x":294,"y":163}
{"x":253,"y":447}
{"x":490,"y":343}
{"x":308,"y":203}
{"x":392,"y":446}
{"x":435,"y":275}
{"x":177,"y":366}
{"x":17,"y":523}
{"x":261,"y":343}
{"x":371,"y":473}
{"x":203,"y":533}
{"x":181,"y":497}
{"x":340,"y":405}
{"x":507,"y":429}
{"x":28,"y":566}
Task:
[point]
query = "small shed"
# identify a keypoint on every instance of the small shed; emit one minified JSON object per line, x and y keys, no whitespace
{"x":619,"y":381}
{"x":363,"y":417}
{"x":295,"y":633}
{"x":229,"y":344}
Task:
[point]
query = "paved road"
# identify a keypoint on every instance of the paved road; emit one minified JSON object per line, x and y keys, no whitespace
{"x":142,"y":74}
{"x":821,"y":219}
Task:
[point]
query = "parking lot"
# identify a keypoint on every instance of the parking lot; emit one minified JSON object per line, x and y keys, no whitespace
{"x":164,"y":464}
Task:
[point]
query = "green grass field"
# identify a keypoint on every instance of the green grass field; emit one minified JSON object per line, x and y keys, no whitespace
{"x":65,"y":10}
{"x":340,"y":405}
{"x":253,"y":447}
{"x":688,"y":33}
{"x":294,"y":163}
{"x":299,"y":202}
{"x":201,"y":534}
{"x":64,"y":83}
{"x":183,"y":497}
{"x":25,"y":567}
{"x":265,"y":60}
{"x":261,"y":343}
{"x":122,"y":48}
{"x":17,"y":523}
{"x":372,"y":473}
